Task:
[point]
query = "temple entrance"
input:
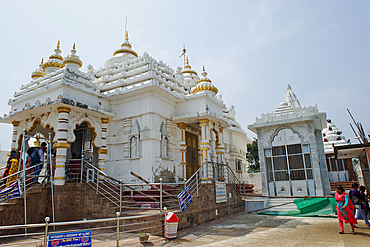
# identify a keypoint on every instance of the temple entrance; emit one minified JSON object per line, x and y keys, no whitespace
{"x":81,"y":147}
{"x":192,"y":163}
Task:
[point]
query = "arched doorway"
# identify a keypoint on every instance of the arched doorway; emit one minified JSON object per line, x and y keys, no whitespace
{"x":82,"y":147}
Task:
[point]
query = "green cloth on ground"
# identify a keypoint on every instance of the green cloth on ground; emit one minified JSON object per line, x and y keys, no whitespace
{"x":308,"y":207}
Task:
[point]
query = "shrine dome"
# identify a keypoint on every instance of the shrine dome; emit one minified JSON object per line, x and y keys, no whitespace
{"x":205,"y":84}
{"x":55,"y":61}
{"x":124,"y":53}
{"x":190,"y":75}
{"x":40,"y":72}
{"x":72,"y":60}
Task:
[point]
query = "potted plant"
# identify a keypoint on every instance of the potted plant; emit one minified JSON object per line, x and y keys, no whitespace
{"x":143,"y":237}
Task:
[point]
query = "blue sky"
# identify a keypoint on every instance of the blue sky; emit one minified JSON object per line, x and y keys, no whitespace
{"x":251,"y":49}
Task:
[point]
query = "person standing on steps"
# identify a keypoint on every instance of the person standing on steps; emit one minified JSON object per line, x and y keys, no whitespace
{"x":345,"y":210}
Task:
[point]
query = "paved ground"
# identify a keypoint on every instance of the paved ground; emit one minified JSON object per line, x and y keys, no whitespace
{"x":261,"y":230}
{"x":247,"y":230}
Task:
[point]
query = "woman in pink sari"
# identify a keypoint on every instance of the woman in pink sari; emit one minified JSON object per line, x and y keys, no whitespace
{"x":345,"y":209}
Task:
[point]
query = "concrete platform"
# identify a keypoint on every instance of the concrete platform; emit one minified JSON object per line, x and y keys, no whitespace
{"x":262,"y":230}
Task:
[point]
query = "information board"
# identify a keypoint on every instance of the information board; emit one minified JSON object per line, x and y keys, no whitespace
{"x":184,"y":199}
{"x":71,"y":239}
{"x":10,"y":192}
{"x":220,"y":192}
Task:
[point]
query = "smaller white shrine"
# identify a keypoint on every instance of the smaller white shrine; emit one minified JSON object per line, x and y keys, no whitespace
{"x":291,"y":150}
{"x":340,"y":170}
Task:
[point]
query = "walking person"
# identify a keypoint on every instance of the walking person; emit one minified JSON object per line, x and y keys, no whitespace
{"x":38,"y":158}
{"x":29,"y":171}
{"x":362,"y":211}
{"x":345,"y":210}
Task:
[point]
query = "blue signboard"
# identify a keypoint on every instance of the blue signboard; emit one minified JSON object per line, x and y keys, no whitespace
{"x":12,"y":191}
{"x":70,"y":239}
{"x":184,"y":199}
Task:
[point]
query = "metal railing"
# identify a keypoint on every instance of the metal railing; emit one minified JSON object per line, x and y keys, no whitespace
{"x":119,"y":231}
{"x":211,"y":171}
{"x":130,"y":198}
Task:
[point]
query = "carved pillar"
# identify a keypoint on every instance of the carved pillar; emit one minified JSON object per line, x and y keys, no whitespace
{"x":103,"y":151}
{"x":205,"y":145}
{"x":14,"y":144}
{"x":182,"y":127}
{"x":220,"y":149}
{"x":61,"y":145}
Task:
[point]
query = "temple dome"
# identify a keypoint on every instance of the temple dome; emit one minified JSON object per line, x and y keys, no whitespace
{"x":190,"y":76}
{"x":205,"y":84}
{"x":55,"y":61}
{"x":124,"y":53}
{"x":72,"y":60}
{"x":40,"y":72}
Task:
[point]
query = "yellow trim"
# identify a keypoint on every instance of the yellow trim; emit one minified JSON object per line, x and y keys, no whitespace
{"x":102,"y":168}
{"x":204,"y":120}
{"x":182,"y":125}
{"x":63,"y":109}
{"x":103,"y":151}
{"x":59,"y":178}
{"x":205,"y":148}
{"x":61,"y":145}
{"x":189,"y":71}
{"x":204,"y":143}
{"x":122,"y":50}
{"x":105,"y":120}
{"x":15,"y":123}
{"x":60,"y":166}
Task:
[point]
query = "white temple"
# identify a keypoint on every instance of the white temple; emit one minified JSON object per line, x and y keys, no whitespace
{"x":291,"y":151}
{"x":134,"y":114}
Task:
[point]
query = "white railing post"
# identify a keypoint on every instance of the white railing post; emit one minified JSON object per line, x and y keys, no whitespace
{"x":97,"y":183}
{"x":243,"y":186}
{"x":120,"y":196}
{"x":82,"y":167}
{"x":47,"y":219}
{"x":160,"y":194}
{"x":118,"y":214}
{"x":196,"y":178}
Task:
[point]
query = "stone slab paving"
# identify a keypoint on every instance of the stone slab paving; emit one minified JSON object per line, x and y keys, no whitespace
{"x":263,"y":230}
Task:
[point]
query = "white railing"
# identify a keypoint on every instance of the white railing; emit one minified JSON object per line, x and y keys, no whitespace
{"x":112,"y":231}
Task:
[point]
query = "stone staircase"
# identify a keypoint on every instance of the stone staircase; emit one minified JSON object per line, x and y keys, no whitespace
{"x":347,"y":185}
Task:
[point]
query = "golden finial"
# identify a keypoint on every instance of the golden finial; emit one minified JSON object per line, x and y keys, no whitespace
{"x":204,"y":69}
{"x":187,"y":60}
{"x":74,"y":46}
{"x":126,"y":35}
{"x":58,"y":44}
{"x":42,"y":61}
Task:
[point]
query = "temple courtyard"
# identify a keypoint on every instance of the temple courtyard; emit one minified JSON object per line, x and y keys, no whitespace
{"x":261,"y":230}
{"x":246,"y":230}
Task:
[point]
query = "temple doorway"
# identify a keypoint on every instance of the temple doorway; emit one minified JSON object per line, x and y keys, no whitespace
{"x":192,"y":163}
{"x":81,"y":147}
